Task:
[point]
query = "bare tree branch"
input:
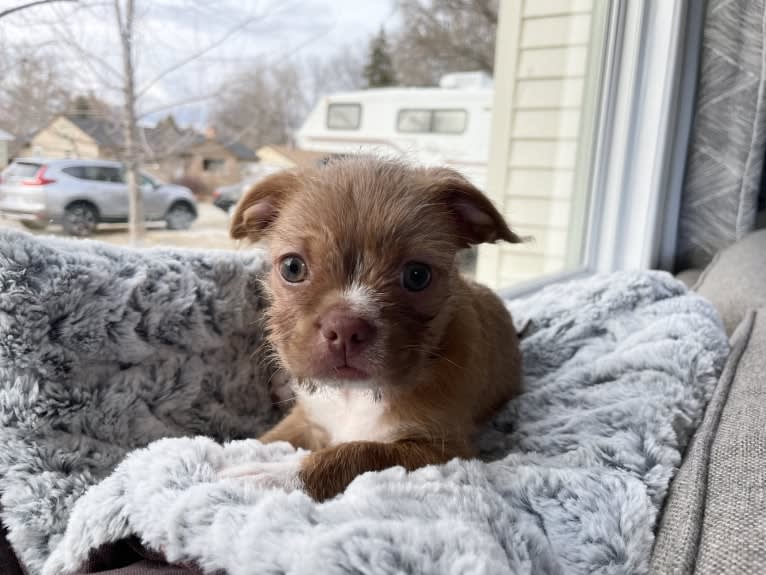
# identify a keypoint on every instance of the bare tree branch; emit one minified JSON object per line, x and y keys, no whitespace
{"x":34,"y":89}
{"x":441,"y":36}
{"x":210,"y":47}
{"x":179,"y":103}
{"x":89,"y":58}
{"x":273,"y":59}
{"x":9,"y":11}
{"x":287,"y":85}
{"x":287,"y":89}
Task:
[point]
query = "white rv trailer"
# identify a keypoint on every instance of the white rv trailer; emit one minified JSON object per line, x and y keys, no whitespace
{"x":448,"y":125}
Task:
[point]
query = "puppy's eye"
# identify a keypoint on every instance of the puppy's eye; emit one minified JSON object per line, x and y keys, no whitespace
{"x":293,"y":269}
{"x":416,"y":276}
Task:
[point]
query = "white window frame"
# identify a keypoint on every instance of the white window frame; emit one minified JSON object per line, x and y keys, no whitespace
{"x":644,"y":121}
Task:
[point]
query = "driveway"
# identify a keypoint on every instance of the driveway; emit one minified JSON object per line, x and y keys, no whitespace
{"x":210,"y":230}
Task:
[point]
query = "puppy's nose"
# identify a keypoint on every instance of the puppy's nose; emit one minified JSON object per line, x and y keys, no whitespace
{"x":346,"y":334}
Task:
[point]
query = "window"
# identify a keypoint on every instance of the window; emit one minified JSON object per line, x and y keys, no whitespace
{"x":147,"y":181}
{"x":414,"y":121}
{"x":583,"y":152}
{"x":542,"y":140}
{"x":18,"y":171}
{"x":108,"y":174}
{"x":344,"y":116}
{"x":103,"y":174}
{"x":449,"y":121}
{"x":432,"y":121}
{"x":213,"y":164}
{"x":95,"y":173}
{"x":75,"y":171}
{"x":567,"y":129}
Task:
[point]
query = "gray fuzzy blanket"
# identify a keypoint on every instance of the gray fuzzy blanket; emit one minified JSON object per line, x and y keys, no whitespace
{"x":103,"y":351}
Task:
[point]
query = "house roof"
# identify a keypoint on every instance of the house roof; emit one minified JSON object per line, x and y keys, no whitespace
{"x":163,"y":137}
{"x":299,"y":157}
{"x":163,"y":140}
{"x":104,"y":132}
{"x":241,"y":151}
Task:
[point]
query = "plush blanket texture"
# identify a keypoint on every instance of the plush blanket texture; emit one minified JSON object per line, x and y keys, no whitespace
{"x":104,"y":350}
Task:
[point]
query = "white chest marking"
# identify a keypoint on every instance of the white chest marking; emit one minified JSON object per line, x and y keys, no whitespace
{"x":349,"y":415}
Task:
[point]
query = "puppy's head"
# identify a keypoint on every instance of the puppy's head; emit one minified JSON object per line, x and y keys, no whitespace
{"x":364,"y":279}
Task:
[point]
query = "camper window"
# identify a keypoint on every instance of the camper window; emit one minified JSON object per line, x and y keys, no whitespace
{"x":432,"y":121}
{"x":449,"y":121}
{"x":344,"y":116}
{"x":414,"y":121}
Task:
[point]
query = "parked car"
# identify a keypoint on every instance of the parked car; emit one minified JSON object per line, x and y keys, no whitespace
{"x":226,"y":197}
{"x":80,"y":194}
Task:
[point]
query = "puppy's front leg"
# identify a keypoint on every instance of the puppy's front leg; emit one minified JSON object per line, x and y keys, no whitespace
{"x":327,"y":472}
{"x":294,"y":428}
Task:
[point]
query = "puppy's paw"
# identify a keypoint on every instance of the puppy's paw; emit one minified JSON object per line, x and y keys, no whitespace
{"x":274,"y":475}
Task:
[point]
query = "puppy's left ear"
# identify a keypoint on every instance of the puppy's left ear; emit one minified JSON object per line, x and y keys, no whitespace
{"x":477,"y":219}
{"x":260,"y":206}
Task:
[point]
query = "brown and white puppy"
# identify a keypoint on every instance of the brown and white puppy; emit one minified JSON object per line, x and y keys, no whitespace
{"x":395,"y":358}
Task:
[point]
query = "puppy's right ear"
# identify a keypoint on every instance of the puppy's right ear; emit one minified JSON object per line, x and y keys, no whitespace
{"x":259,"y":206}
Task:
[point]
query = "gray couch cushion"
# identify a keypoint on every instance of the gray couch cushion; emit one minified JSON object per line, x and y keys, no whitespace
{"x":735,"y":281}
{"x":715,"y":517}
{"x":689,"y":277}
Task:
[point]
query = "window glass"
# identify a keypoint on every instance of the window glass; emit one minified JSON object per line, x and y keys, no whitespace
{"x":432,"y":121}
{"x":103,"y":174}
{"x":449,"y":121}
{"x":391,"y":78}
{"x":547,"y":91}
{"x":414,"y":121}
{"x":213,"y":164}
{"x":20,"y":171}
{"x":96,"y":173}
{"x":147,"y":181}
{"x":92,"y":173}
{"x":75,"y":172}
{"x":344,"y":116}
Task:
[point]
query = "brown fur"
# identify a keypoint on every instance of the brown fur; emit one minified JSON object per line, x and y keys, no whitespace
{"x":434,"y":364}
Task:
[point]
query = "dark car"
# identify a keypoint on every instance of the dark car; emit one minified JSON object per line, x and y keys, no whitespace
{"x":226,"y":197}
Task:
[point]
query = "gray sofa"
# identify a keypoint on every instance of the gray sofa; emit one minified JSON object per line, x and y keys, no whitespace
{"x":714,"y":519}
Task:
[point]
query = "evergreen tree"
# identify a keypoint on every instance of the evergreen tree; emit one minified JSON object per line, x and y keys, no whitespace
{"x":82,"y":107}
{"x":379,"y":71}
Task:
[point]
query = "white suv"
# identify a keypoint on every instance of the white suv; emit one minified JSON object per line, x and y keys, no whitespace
{"x":78,"y":194}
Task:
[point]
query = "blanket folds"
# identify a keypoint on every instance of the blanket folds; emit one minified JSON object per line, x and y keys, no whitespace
{"x":103,"y":351}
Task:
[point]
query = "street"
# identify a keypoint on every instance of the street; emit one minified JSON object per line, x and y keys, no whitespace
{"x":210,"y":230}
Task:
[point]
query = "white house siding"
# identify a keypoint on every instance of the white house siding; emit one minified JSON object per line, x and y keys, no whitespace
{"x":543,"y":82}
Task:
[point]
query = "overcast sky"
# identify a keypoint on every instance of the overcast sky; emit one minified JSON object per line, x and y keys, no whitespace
{"x":171,"y":31}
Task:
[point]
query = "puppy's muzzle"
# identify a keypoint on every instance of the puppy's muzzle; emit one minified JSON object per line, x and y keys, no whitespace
{"x":345,"y":334}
